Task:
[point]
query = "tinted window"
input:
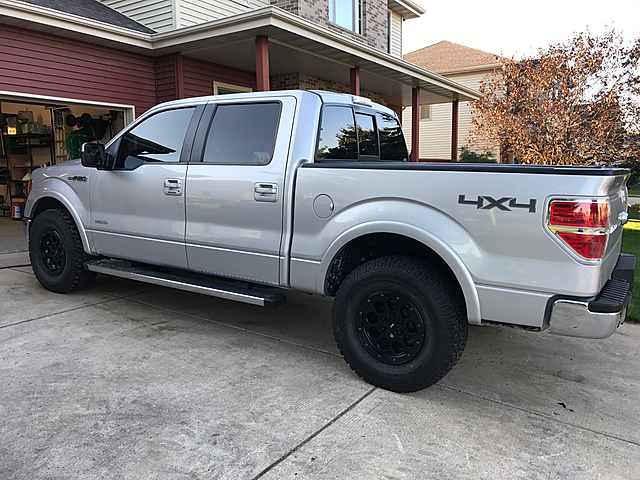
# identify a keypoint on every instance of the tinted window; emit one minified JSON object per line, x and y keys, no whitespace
{"x":338,"y":134}
{"x":158,"y":138}
{"x":367,"y":134}
{"x":243,"y":134}
{"x":392,"y":145}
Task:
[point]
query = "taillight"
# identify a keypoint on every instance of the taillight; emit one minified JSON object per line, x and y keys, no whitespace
{"x":583,"y":226}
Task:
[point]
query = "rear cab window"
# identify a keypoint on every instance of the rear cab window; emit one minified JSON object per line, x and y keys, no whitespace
{"x":360,"y":135}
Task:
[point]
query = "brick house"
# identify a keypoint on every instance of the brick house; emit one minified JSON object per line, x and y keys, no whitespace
{"x":466,"y":66}
{"x":111,"y":60}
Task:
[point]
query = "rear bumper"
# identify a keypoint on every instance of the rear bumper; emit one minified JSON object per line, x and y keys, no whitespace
{"x":600,"y":316}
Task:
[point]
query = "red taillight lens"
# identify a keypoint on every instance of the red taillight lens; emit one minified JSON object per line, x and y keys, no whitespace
{"x":589,"y":246}
{"x":582,"y":215}
{"x":581,"y":225}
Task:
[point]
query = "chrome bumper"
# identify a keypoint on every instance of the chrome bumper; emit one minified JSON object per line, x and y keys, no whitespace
{"x":598,"y":317}
{"x":574,"y":319}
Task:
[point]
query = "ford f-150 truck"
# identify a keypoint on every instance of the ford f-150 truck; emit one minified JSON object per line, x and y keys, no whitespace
{"x":314,"y":191}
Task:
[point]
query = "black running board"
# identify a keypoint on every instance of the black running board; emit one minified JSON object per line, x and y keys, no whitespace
{"x":229,"y":292}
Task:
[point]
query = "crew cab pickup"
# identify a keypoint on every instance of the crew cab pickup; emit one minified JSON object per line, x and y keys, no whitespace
{"x":314,"y":191}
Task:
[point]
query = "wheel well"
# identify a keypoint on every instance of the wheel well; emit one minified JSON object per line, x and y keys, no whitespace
{"x":46,"y":203}
{"x":376,"y":245}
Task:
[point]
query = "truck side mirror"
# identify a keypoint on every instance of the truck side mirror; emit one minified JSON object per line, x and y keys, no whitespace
{"x":93,"y":155}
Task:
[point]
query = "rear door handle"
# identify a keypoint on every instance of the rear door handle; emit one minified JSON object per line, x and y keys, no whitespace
{"x":173,"y":186}
{"x":265,"y":192}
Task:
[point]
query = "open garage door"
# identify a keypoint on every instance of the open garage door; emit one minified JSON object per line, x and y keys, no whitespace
{"x":37,"y":131}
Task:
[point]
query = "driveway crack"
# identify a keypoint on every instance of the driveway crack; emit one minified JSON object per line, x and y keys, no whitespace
{"x":314,"y":435}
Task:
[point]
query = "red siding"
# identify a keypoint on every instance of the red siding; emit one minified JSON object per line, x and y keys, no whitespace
{"x":200,"y":75}
{"x":37,"y":64}
{"x":166,"y":88}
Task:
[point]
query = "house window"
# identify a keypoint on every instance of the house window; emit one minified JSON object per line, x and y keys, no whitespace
{"x":347,"y":14}
{"x":220,"y":88}
{"x":425,"y":112}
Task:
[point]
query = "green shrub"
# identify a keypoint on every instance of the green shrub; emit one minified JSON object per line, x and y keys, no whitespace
{"x":469,"y":156}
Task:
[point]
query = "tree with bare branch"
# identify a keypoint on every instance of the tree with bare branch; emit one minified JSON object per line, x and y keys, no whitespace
{"x":575,"y":103}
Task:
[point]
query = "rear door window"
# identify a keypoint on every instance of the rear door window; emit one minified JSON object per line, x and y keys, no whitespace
{"x":243,"y":134}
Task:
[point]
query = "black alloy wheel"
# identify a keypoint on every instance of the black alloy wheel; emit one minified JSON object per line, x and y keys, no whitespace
{"x":52,"y":252}
{"x":390,"y":327}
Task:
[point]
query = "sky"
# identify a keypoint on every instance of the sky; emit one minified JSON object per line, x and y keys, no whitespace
{"x":513,"y":28}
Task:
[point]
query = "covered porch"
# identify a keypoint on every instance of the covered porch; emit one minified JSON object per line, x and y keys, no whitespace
{"x":283,"y":51}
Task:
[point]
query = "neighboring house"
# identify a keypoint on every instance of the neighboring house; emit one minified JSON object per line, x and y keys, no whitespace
{"x":114,"y":59}
{"x":466,"y":66}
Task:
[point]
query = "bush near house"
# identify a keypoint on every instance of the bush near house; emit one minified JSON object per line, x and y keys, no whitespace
{"x":469,"y":156}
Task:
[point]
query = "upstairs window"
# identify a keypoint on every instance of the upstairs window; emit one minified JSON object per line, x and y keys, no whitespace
{"x":347,"y":14}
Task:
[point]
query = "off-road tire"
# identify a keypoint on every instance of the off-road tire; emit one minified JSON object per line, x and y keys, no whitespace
{"x":399,"y":323}
{"x":56,"y":253}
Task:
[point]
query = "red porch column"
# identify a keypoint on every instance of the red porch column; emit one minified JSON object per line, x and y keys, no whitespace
{"x":415,"y":124}
{"x":355,"y":81}
{"x":179,"y":75}
{"x":454,"y":131}
{"x":262,"y":63}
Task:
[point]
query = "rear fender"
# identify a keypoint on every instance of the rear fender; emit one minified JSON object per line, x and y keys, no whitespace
{"x":428,"y":239}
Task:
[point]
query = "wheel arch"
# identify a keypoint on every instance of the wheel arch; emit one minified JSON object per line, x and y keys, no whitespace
{"x":54,"y":200}
{"x":377,"y":239}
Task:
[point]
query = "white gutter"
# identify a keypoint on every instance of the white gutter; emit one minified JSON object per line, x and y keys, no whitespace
{"x":406,"y":8}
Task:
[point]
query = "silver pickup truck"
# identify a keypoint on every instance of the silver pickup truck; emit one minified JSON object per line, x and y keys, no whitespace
{"x":313,"y":191}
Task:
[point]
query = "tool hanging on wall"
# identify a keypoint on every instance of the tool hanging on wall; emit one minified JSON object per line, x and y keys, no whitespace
{"x":92,"y":128}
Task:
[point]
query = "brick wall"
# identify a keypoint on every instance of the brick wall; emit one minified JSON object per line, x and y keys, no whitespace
{"x":304,"y":81}
{"x":374,"y":19}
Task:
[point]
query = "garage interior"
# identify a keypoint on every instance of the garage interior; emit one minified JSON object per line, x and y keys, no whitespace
{"x":35,"y":133}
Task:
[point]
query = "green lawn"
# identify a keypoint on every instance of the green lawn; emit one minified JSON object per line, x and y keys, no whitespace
{"x":634,"y":190}
{"x":631,"y":244}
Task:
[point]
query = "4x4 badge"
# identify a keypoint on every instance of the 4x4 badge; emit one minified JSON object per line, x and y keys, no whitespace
{"x":485,"y":202}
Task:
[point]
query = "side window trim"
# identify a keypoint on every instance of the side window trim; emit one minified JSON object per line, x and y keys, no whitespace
{"x":187,"y":145}
{"x":200,"y":140}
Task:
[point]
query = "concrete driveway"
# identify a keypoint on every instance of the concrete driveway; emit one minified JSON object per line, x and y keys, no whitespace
{"x":133,"y":381}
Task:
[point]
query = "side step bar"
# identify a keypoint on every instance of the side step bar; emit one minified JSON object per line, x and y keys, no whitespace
{"x":229,"y":292}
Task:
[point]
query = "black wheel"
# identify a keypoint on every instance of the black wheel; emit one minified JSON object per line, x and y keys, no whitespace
{"x":56,"y":253}
{"x":399,"y":324}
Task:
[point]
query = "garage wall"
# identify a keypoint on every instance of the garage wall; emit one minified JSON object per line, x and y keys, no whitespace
{"x":37,"y":64}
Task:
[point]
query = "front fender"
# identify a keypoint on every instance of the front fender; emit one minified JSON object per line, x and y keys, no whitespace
{"x":58,"y":189}
{"x":441,"y":248}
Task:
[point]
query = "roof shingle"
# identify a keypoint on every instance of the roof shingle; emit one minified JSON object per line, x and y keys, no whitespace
{"x":448,"y":56}
{"x":91,"y":9}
